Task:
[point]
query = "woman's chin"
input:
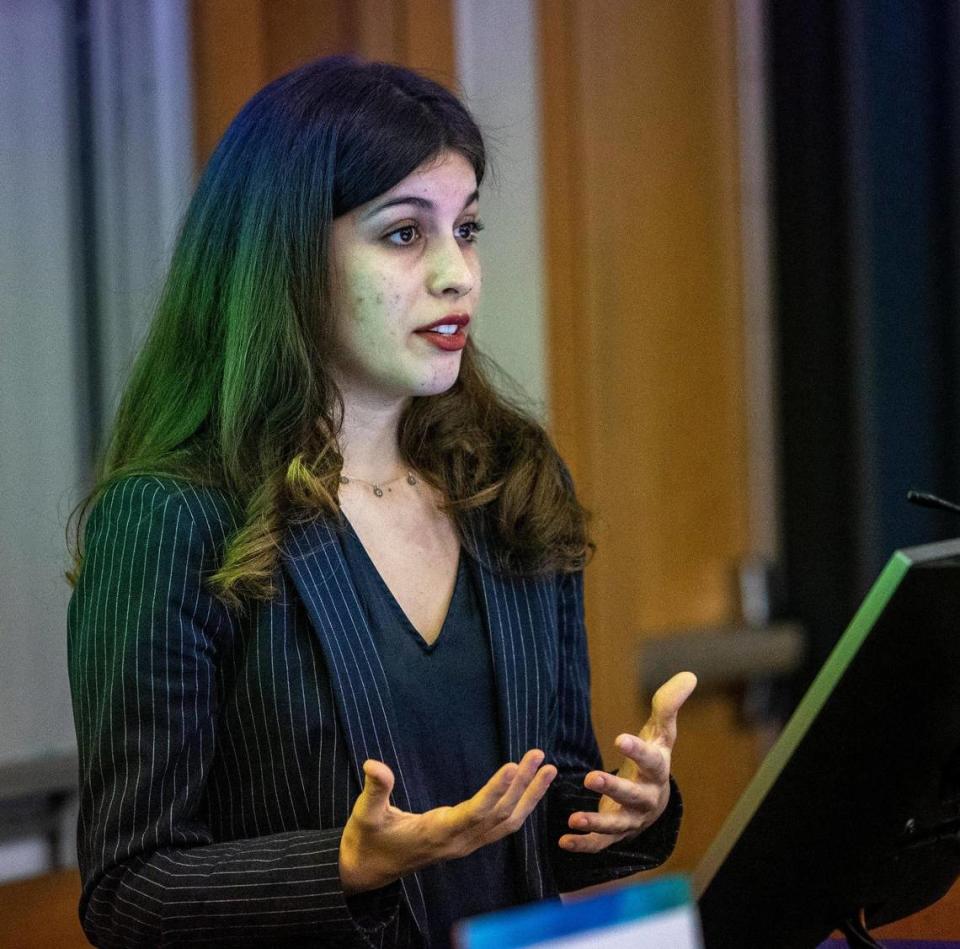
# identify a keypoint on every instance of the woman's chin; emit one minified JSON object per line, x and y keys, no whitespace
{"x":436,"y":387}
{"x":438,"y":381}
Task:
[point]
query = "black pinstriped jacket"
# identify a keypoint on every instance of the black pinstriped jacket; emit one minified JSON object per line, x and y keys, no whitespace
{"x":220,"y":754}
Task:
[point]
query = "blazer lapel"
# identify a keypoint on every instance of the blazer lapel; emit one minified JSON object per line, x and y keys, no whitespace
{"x":312,"y":556}
{"x":514,"y":610}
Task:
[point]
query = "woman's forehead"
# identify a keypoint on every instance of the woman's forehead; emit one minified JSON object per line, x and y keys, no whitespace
{"x":447,"y":178}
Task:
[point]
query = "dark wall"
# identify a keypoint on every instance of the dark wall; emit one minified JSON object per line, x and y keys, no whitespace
{"x":864,"y":97}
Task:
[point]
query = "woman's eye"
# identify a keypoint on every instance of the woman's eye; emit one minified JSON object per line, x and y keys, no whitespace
{"x":469,"y":231}
{"x":403,"y":236}
{"x":408,"y":235}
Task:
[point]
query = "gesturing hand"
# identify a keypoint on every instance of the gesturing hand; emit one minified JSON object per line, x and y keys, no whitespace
{"x":637,"y":795}
{"x":382,"y":843}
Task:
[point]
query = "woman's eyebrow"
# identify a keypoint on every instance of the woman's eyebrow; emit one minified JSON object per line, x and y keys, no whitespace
{"x":419,"y":202}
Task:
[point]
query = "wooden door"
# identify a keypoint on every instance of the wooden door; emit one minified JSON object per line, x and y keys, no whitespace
{"x":240,"y":45}
{"x":645,"y":347}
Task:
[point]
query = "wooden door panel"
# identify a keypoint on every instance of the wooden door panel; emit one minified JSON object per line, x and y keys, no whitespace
{"x":645,"y":335}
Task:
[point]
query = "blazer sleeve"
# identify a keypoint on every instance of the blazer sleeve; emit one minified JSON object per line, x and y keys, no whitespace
{"x":144,"y":637}
{"x":577,"y":753}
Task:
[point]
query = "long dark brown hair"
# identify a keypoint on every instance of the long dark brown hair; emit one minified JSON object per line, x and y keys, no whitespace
{"x":232,"y":388}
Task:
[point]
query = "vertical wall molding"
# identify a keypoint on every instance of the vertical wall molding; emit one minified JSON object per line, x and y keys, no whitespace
{"x":498,"y":66}
{"x":142,"y":166}
{"x":760,"y":343}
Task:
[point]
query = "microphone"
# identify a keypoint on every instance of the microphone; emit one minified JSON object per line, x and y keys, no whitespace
{"x":931,"y":500}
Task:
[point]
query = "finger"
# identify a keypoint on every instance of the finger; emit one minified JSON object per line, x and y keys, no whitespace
{"x":613,"y":822}
{"x":488,"y":798}
{"x":527,"y":770}
{"x":534,"y":793}
{"x":489,"y":814}
{"x":666,"y":703}
{"x":633,"y":794}
{"x":377,"y":785}
{"x":589,"y":843}
{"x":483,"y":807}
{"x":531,"y":796}
{"x":497,"y":786}
{"x":496,"y":800}
{"x":646,"y":760}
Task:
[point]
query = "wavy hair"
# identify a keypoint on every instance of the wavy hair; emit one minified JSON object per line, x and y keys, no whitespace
{"x":232,"y":387}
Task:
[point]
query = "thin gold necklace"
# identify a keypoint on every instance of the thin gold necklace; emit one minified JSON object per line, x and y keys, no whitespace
{"x":378,"y":486}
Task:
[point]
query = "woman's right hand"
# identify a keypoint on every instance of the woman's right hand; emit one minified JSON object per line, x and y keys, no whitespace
{"x":381,"y":843}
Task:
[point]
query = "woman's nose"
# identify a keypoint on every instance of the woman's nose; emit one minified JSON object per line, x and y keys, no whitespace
{"x":450,"y":271}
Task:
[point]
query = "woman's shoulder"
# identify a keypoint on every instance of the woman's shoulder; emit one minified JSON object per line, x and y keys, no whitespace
{"x":209,"y":507}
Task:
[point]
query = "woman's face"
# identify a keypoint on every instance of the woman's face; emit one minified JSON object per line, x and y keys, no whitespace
{"x":406,"y":281}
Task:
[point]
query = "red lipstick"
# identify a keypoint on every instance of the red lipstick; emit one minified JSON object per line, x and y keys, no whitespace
{"x":447,"y":333}
{"x":451,"y":319}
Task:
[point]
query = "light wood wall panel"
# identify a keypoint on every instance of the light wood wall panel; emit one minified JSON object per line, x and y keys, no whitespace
{"x":645,"y":345}
{"x":240,"y":45}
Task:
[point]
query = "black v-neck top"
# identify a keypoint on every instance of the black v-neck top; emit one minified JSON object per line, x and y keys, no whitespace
{"x":445,"y":700}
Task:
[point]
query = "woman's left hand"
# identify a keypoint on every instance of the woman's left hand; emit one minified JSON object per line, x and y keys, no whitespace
{"x":637,"y":795}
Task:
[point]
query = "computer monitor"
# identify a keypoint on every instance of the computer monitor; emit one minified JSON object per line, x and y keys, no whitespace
{"x":855,"y":812}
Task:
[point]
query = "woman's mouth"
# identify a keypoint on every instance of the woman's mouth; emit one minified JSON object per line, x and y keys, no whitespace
{"x":446,"y":336}
{"x":447,"y":333}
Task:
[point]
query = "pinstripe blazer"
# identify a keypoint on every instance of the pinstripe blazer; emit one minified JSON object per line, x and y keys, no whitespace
{"x":220,"y":752}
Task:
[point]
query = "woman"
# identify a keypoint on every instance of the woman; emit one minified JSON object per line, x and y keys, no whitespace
{"x":326,"y":640}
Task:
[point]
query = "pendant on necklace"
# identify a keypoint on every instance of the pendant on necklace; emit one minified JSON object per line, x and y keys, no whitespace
{"x":377,"y":488}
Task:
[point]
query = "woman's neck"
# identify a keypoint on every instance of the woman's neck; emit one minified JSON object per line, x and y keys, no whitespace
{"x":369,"y":438}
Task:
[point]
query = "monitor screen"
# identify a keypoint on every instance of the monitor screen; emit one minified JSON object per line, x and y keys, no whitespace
{"x":855,"y":810}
